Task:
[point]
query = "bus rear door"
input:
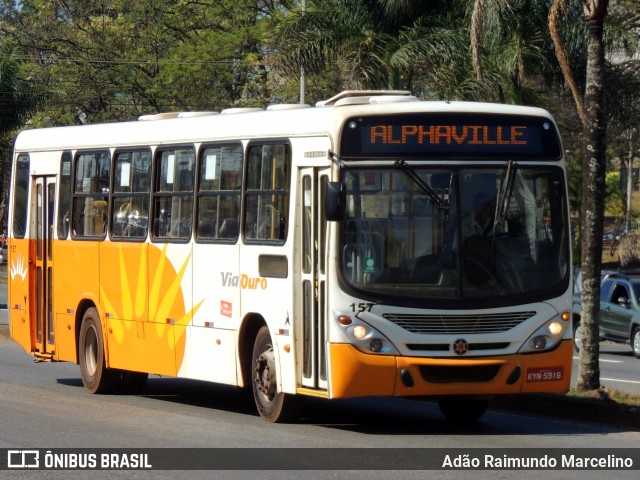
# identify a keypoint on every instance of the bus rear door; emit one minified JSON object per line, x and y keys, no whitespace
{"x":45,"y":190}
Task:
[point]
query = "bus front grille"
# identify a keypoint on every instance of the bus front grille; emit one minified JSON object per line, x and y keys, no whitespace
{"x":459,"y":324}
{"x":446,"y":347}
{"x":461,"y":374}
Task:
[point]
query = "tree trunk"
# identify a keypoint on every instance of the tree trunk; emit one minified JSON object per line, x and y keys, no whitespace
{"x":593,"y":181}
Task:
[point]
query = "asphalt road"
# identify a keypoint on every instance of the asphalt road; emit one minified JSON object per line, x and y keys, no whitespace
{"x":44,"y":406}
{"x":619,"y":369}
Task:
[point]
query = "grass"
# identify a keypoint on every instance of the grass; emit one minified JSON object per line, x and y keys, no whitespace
{"x":608,"y":395}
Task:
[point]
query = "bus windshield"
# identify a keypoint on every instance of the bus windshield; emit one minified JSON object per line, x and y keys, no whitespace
{"x":446,"y":236}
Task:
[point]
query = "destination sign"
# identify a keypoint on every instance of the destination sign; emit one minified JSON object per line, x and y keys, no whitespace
{"x":450,"y":136}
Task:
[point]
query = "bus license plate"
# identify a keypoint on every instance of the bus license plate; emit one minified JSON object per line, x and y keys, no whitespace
{"x":545,"y":374}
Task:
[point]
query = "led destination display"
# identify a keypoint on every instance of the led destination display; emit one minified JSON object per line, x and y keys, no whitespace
{"x":450,"y":136}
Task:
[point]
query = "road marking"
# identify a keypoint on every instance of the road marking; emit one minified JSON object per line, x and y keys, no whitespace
{"x":621,"y":381}
{"x":604,"y":360}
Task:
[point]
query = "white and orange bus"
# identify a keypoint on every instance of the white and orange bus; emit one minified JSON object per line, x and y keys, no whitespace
{"x":325,"y":251}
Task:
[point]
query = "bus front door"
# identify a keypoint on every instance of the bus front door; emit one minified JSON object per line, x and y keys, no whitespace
{"x":45,"y":195}
{"x":312,"y":347}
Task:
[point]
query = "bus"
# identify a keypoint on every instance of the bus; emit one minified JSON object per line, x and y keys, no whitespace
{"x":298,"y":250}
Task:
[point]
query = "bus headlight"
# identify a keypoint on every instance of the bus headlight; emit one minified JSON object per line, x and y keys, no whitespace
{"x":363,"y":336}
{"x":546,"y":337}
{"x":359,"y":332}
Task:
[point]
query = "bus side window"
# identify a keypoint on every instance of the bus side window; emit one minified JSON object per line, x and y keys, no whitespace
{"x":91,"y":194}
{"x":173,"y":194}
{"x":267,"y":194}
{"x":64,"y":198}
{"x":219,"y":192}
{"x":20,"y":195}
{"x":130,"y":213}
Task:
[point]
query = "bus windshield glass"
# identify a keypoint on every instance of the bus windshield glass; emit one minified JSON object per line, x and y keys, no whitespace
{"x":446,"y":236}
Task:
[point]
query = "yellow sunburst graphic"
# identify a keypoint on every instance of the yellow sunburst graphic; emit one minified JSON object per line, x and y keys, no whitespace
{"x":146,"y":288}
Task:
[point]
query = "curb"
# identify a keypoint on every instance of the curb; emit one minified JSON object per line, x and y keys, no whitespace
{"x":566,"y":407}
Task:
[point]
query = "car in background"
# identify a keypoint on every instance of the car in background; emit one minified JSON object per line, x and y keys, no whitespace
{"x":620,"y":232}
{"x":619,"y":318}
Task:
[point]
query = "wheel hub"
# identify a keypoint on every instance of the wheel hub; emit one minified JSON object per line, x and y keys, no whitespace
{"x":265,"y":374}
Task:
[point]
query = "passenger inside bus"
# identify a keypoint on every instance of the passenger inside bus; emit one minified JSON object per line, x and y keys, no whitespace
{"x":479,"y":242}
{"x":229,"y":228}
{"x":481,"y":221}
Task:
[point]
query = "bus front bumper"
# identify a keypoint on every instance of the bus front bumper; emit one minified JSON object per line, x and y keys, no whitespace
{"x":357,"y":374}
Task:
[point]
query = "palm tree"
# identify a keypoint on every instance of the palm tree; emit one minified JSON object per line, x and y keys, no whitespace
{"x":364,"y":40}
{"x":471,"y":50}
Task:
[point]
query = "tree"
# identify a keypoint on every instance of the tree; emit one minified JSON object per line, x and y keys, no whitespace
{"x":491,"y":50}
{"x":19,"y":98}
{"x":116,"y":59}
{"x":368,"y":43}
{"x":509,"y":39}
{"x":591,"y":110}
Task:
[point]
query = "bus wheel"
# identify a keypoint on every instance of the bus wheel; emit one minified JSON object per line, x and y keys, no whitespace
{"x":462,"y":410}
{"x":96,"y":377}
{"x":273,"y":406}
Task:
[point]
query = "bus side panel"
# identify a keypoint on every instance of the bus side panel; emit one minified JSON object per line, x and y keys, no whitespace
{"x":75,"y":279}
{"x":272,"y":298}
{"x":210,"y":351}
{"x":124,"y":296}
{"x":65,"y":337}
{"x":210,"y":355}
{"x":170,"y":299}
{"x":124,"y":288}
{"x":141,"y":346}
{"x":22,"y":326}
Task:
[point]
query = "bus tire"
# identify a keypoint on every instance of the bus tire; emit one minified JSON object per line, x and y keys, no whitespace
{"x":273,"y":406}
{"x":96,"y":377}
{"x":460,"y":410}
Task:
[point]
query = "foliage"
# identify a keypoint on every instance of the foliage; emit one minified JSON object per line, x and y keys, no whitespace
{"x":617,"y":197}
{"x":20,"y":96}
{"x":114,"y":59}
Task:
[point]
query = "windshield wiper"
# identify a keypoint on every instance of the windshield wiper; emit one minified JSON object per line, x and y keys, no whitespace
{"x":426,"y":189}
{"x":504,"y":195}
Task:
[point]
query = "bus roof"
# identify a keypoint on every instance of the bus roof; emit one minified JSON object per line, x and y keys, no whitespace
{"x":276,"y":121}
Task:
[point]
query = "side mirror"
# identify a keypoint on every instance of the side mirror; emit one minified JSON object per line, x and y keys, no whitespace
{"x":334,"y":201}
{"x":624,"y":302}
